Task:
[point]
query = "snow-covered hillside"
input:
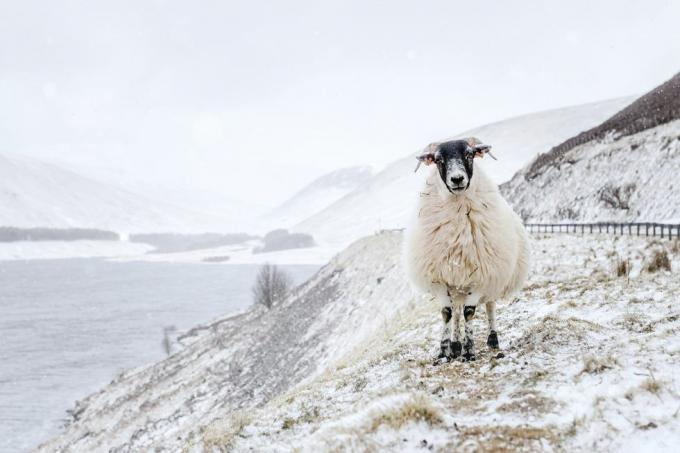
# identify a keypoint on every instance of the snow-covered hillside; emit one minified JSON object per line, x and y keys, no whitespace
{"x":344,"y":364}
{"x":317,"y":195}
{"x":633,"y":178}
{"x":385,"y":201}
{"x":36,"y":194}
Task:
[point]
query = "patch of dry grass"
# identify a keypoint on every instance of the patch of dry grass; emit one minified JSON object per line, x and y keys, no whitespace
{"x":593,"y":364}
{"x":495,"y":438}
{"x":416,"y":409}
{"x":309,"y":415}
{"x":622,"y":268}
{"x":658,"y":261}
{"x":220,"y":435}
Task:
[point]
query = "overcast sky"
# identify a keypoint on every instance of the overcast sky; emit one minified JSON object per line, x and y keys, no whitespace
{"x":221,"y":95}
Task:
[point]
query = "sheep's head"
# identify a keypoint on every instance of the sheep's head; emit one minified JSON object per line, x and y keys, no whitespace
{"x":454,"y":160}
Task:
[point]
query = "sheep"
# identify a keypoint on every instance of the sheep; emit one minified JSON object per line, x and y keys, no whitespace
{"x":465,"y":245}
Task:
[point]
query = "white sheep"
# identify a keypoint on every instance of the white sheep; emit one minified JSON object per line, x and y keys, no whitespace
{"x":466,"y":246}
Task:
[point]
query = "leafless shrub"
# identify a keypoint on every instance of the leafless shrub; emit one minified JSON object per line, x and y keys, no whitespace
{"x":659,"y":261}
{"x":272,"y":285}
{"x":617,"y":197}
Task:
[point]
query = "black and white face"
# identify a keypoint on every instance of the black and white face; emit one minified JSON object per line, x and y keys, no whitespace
{"x":455,"y":161}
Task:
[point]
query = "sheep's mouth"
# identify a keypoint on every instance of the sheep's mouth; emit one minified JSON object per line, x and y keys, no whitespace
{"x":456,"y":189}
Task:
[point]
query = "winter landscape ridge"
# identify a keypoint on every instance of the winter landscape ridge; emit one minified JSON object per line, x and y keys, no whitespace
{"x":345,"y":362}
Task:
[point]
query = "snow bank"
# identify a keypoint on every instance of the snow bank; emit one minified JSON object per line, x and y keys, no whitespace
{"x":27,"y":250}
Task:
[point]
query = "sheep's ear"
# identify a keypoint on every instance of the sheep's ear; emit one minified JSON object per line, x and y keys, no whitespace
{"x":479,"y":148}
{"x":427,"y":156}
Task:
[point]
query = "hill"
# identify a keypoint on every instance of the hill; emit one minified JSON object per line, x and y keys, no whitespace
{"x":385,"y":201}
{"x":317,"y":195}
{"x":661,"y":105}
{"x":633,"y":178}
{"x":36,"y":194}
{"x":345,"y":364}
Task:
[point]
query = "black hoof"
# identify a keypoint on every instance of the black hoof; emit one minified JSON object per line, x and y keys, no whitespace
{"x":492,"y":341}
{"x":469,"y":357}
{"x":440,"y":361}
{"x":456,"y":349}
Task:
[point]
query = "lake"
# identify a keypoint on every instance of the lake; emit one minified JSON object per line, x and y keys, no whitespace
{"x":68,"y":327}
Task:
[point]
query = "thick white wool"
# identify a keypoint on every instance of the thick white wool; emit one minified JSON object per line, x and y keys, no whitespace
{"x":472,"y":240}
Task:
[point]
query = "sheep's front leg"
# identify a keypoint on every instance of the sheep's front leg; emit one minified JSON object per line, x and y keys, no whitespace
{"x":492,"y":341}
{"x":456,"y":345}
{"x":445,"y":353}
{"x":469,"y":307}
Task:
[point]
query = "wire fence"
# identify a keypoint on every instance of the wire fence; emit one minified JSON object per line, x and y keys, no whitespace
{"x":662,"y":230}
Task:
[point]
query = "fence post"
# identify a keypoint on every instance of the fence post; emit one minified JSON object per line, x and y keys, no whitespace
{"x":646,"y":229}
{"x":662,"y":230}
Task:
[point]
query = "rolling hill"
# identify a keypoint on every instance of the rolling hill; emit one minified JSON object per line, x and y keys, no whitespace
{"x":385,"y":201}
{"x":37,"y":194}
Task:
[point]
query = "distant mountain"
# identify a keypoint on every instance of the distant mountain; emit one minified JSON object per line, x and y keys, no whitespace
{"x":661,"y":105}
{"x":316,"y":196}
{"x":36,"y":194}
{"x":387,"y":199}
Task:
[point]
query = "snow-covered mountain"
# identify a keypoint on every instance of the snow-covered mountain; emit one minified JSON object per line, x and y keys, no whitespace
{"x":317,"y":195}
{"x":344,"y":364}
{"x":37,"y":194}
{"x":634,"y":178}
{"x":386,"y":200}
{"x":624,"y":169}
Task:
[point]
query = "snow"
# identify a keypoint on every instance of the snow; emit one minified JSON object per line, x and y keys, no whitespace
{"x":242,"y":254}
{"x":590,"y":363}
{"x":315,"y":196}
{"x":27,"y":250}
{"x":385,"y":201}
{"x":633,"y":178}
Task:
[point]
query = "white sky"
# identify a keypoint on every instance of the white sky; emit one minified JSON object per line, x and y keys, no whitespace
{"x":221,"y":95}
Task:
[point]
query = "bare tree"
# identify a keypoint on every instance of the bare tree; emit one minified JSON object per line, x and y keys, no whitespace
{"x":271,"y":286}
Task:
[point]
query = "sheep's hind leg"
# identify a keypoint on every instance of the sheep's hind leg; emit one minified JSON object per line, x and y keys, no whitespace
{"x":492,"y":340}
{"x":445,"y":352}
{"x":469,"y":307}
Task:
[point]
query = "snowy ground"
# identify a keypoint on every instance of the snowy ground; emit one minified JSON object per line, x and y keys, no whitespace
{"x":27,"y":250}
{"x":242,"y":254}
{"x":591,"y":362}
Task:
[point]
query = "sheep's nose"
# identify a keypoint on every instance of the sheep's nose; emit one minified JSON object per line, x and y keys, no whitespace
{"x":457,"y":180}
